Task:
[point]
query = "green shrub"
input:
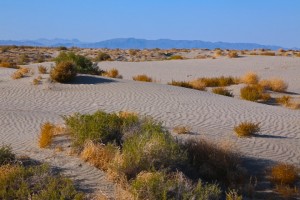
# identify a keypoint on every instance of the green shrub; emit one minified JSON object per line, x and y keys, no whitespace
{"x":149,"y":150}
{"x":18,"y":182}
{"x":63,"y":72}
{"x":159,"y":185}
{"x":222,"y":91}
{"x":6,"y":155}
{"x":99,"y":127}
{"x":102,"y":57}
{"x":251,"y":93}
{"x":82,"y":64}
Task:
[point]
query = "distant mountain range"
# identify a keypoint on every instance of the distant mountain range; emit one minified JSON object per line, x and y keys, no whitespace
{"x":132,"y":43}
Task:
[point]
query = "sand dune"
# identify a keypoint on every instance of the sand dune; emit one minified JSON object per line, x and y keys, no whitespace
{"x":24,"y":107}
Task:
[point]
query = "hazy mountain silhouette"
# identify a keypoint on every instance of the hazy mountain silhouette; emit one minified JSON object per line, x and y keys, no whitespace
{"x":132,"y":43}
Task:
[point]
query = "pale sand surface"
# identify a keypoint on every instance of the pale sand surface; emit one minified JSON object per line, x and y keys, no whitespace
{"x":24,"y":107}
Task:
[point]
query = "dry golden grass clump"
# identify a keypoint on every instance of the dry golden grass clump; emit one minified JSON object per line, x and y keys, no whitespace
{"x":247,"y":129}
{"x":46,"y":135}
{"x":182,"y":129}
{"x":99,"y":155}
{"x":127,"y":114}
{"x":113,"y":73}
{"x":222,"y":91}
{"x":233,"y":54}
{"x":8,"y":64}
{"x":221,"y":81}
{"x":252,"y":92}
{"x":63,"y":72}
{"x":20,"y":73}
{"x":176,"y":57}
{"x":250,"y":78}
{"x":218,"y":52}
{"x":284,"y":173}
{"x":274,"y":84}
{"x":42,"y":69}
{"x":198,"y":85}
{"x":36,"y":81}
{"x":284,"y":100}
{"x":142,"y":77}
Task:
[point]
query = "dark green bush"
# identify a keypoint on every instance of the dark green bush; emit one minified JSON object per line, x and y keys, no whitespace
{"x":6,"y":155}
{"x":63,"y":72}
{"x":159,"y":185}
{"x":83,"y":65}
{"x":18,"y":182}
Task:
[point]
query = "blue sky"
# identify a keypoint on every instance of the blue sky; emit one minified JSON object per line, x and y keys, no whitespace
{"x":274,"y":22}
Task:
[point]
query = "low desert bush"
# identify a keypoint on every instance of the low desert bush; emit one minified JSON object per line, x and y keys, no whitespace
{"x":99,"y":127}
{"x":102,"y":57}
{"x":284,"y":174}
{"x":198,"y":85}
{"x":176,"y":57}
{"x":99,"y":155}
{"x":63,"y":72}
{"x":284,"y":100}
{"x":42,"y":69}
{"x":46,"y":135}
{"x":218,"y":53}
{"x":184,"y":84}
{"x":233,"y":54}
{"x":250,"y":78}
{"x":20,"y":73}
{"x":82,"y":64}
{"x":182,"y":129}
{"x":222,"y":91}
{"x":277,"y":85}
{"x":159,"y":185}
{"x":213,"y":162}
{"x":36,"y":81}
{"x":6,"y":155}
{"x":252,"y":92}
{"x":36,"y":182}
{"x":247,"y":129}
{"x":142,"y":77}
{"x":288,"y":192}
{"x":148,"y":151}
{"x":221,"y":81}
{"x":7,"y":64}
{"x":267,"y":53}
{"x":113,"y":73}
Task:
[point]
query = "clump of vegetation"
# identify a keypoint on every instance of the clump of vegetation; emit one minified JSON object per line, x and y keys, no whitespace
{"x":184,"y":84}
{"x":100,"y":127}
{"x":63,"y":72}
{"x":6,"y":155}
{"x":182,"y":129}
{"x":113,"y":73}
{"x":247,"y":129}
{"x":233,"y":54}
{"x":218,"y":53}
{"x":42,"y":69}
{"x":274,"y":84}
{"x":142,"y":77}
{"x":103,"y":57}
{"x":250,"y":78}
{"x":82,"y":64}
{"x":252,"y":92}
{"x":7,"y":64}
{"x":159,"y":185}
{"x":36,"y":81}
{"x":176,"y":57}
{"x":198,"y":85}
{"x":214,"y":162}
{"x":233,"y":195}
{"x":32,"y":182}
{"x":284,"y":173}
{"x":284,"y":100}
{"x":221,"y":81}
{"x":222,"y":91}
{"x":46,"y":135}
{"x":20,"y":73}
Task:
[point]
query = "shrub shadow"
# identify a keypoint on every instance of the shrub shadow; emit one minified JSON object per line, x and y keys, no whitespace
{"x":269,"y":136}
{"x":88,"y":79}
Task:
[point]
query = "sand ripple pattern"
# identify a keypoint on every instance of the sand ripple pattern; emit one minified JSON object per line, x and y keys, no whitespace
{"x":24,"y":107}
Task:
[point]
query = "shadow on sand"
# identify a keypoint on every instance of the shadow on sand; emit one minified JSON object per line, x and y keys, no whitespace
{"x":89,"y":79}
